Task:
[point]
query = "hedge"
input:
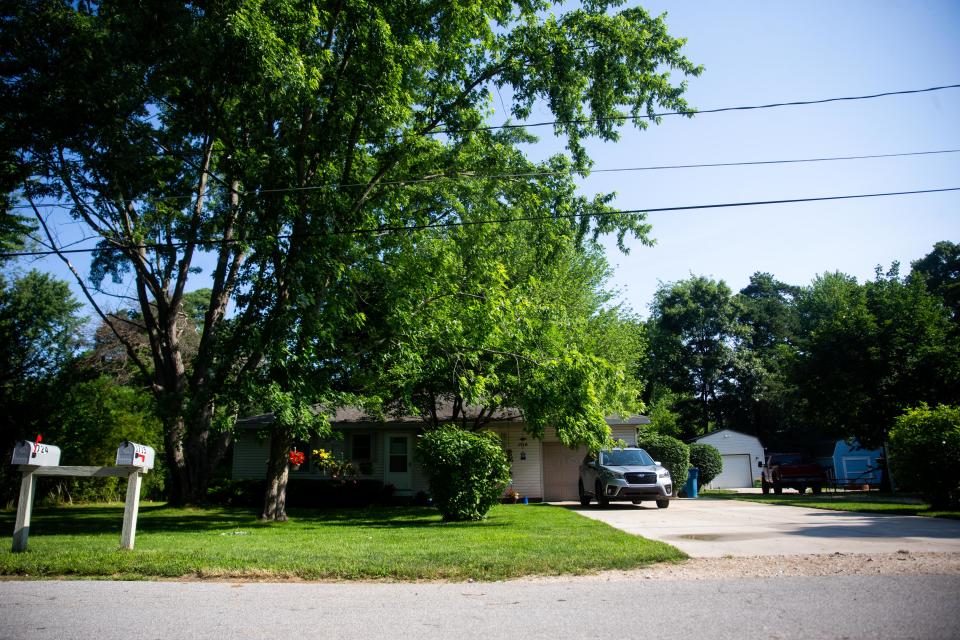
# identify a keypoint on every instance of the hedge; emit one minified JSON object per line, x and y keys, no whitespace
{"x":708,"y":460}
{"x":670,"y":452}
{"x":468,"y":471}
{"x":925,"y":453}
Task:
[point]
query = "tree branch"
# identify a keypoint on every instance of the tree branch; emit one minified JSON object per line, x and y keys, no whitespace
{"x":128,"y":347}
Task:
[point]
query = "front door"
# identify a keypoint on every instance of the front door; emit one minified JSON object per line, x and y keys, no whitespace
{"x":398,"y":462}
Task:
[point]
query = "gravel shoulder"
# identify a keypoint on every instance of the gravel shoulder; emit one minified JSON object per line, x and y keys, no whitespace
{"x":834,"y":564}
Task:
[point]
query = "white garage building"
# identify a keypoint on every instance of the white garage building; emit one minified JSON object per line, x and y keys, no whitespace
{"x":740,"y":453}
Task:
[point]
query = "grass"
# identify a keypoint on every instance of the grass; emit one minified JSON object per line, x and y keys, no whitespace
{"x":847,"y":501}
{"x":399,"y":543}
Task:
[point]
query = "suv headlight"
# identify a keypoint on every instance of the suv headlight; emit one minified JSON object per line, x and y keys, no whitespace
{"x":615,"y":474}
{"x":663,"y":473}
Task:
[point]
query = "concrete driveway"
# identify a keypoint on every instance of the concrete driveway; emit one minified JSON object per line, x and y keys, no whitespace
{"x":716,"y":528}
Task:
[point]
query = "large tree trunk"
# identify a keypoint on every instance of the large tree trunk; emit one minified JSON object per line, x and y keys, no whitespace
{"x":275,"y":500}
{"x":192,"y":456}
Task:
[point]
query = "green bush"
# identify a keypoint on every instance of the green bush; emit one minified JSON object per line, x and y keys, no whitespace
{"x":668,"y":451}
{"x":925,"y":453}
{"x":468,"y":471}
{"x":89,"y":421}
{"x":708,"y":460}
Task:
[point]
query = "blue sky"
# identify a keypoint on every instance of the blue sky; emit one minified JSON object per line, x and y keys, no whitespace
{"x":761,"y":52}
{"x":757,"y":52}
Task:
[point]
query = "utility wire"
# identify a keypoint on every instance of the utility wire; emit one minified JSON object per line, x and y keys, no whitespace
{"x":468,"y":223}
{"x":690,"y":112}
{"x":623,"y":118}
{"x":466,"y":175}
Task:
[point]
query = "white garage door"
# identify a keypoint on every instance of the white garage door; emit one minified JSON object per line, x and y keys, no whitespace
{"x":736,"y":472}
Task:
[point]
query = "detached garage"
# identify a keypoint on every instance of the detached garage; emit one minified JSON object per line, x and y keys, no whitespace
{"x":740,"y":453}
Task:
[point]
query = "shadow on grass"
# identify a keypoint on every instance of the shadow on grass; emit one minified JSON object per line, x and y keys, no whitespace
{"x":108,"y":519}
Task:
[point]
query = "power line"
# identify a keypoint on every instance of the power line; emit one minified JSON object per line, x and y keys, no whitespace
{"x":693,"y":112}
{"x":468,"y":223}
{"x":535,"y":174}
{"x":623,"y":118}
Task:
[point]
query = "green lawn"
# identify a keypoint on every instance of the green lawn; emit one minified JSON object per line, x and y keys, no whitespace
{"x":846,"y":501}
{"x":402,"y":543}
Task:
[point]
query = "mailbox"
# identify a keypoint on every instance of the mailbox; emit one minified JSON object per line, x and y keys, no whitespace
{"x":36,"y":454}
{"x":131,"y":454}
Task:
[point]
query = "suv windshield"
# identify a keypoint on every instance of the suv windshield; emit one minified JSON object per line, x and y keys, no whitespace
{"x":625,"y":458}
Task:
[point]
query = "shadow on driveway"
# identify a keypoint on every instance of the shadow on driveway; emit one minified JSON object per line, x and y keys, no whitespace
{"x":727,"y":527}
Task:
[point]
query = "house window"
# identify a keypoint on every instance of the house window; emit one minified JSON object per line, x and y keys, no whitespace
{"x":362,"y":446}
{"x":361,"y":452}
{"x":398,"y":455}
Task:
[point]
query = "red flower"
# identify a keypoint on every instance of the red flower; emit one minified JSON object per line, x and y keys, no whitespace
{"x":297,"y":457}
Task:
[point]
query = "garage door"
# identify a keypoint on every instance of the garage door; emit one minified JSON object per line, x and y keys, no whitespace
{"x":561,"y":469}
{"x":736,"y":472}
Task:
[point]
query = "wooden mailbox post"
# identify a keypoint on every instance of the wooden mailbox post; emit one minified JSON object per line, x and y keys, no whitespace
{"x":35,"y":460}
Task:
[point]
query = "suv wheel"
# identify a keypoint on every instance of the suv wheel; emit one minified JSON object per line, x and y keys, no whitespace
{"x":817,"y":489}
{"x":777,"y":489}
{"x":601,"y":499}
{"x":663,"y":504}
{"x":764,"y":487}
{"x":584,"y":498}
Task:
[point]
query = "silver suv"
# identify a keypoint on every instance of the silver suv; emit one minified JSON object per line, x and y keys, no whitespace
{"x":624,"y":474}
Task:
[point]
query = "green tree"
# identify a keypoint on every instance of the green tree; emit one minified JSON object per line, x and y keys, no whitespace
{"x":294,"y":127}
{"x":39,"y":335}
{"x":693,"y":332}
{"x":869,"y":351}
{"x":664,"y":418}
{"x":940,"y":269}
{"x":39,"y":328}
{"x":761,"y":399}
{"x":14,"y":230}
{"x":514,"y":322}
{"x":89,"y":421}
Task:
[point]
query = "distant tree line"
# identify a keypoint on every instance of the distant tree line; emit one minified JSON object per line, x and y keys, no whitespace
{"x":794,"y":364}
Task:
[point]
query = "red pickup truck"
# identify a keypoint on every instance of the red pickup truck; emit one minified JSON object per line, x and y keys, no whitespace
{"x":793,"y":471}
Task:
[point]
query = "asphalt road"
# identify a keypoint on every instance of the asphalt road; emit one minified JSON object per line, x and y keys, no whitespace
{"x":717,"y":528}
{"x":808,"y":608}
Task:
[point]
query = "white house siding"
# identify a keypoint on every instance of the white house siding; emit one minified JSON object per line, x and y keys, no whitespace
{"x":525,"y":474}
{"x":250,"y":456}
{"x":734,"y":443}
{"x":625,"y":432}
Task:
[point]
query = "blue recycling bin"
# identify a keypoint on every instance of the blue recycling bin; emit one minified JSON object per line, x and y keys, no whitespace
{"x":690,"y":488}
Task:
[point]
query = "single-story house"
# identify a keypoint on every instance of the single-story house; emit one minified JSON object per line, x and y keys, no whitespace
{"x":849,"y":464}
{"x":383,"y":450}
{"x":740,"y":453}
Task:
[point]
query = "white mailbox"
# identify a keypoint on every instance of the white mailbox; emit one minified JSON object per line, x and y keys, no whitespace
{"x":131,"y":454}
{"x":36,"y":454}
